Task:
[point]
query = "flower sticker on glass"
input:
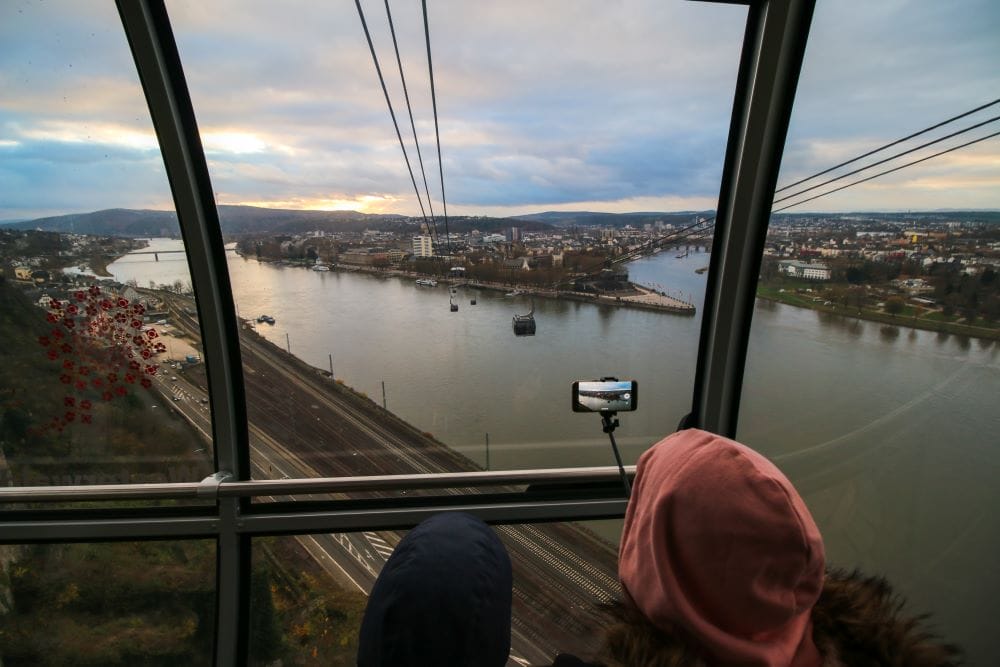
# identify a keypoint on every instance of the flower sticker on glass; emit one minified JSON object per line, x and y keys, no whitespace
{"x":97,"y":341}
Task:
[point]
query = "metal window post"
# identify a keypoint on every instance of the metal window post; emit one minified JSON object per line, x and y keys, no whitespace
{"x":158,"y":64}
{"x":773,"y":49}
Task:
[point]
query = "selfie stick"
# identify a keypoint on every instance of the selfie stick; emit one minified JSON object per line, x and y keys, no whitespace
{"x":610,"y":421}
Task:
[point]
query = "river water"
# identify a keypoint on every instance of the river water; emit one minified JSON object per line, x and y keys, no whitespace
{"x":891,"y":434}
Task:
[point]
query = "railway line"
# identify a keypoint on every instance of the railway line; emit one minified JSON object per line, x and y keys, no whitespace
{"x":303,"y":424}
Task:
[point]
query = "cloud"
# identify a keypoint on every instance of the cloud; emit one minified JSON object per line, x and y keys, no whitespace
{"x":578,"y":104}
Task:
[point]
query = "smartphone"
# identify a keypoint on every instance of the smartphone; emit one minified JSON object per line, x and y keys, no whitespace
{"x":608,"y":395}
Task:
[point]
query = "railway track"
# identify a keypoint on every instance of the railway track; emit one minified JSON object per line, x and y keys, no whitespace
{"x":303,"y":424}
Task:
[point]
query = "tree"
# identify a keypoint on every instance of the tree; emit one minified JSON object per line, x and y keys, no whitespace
{"x":894,"y":305}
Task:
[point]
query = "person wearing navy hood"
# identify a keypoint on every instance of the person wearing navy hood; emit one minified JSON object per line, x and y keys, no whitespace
{"x":443,"y":598}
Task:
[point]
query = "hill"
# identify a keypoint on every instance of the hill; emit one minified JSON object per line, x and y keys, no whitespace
{"x":253,"y":220}
{"x":590,"y":218}
{"x":234,"y":220}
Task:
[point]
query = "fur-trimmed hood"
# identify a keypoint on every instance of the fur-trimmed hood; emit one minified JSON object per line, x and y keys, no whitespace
{"x":857,"y":621}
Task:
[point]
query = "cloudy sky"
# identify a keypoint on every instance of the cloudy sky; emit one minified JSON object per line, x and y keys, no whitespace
{"x":543,"y":105}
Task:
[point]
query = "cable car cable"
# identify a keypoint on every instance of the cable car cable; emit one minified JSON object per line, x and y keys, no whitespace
{"x":889,"y":171}
{"x":385,"y":91}
{"x":888,"y":159}
{"x":437,"y":134}
{"x":890,"y":145}
{"x":409,"y":109}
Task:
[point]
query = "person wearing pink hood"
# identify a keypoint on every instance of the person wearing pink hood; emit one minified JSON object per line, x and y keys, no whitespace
{"x":721,"y":564}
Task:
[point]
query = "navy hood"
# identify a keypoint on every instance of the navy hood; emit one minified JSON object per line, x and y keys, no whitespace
{"x":443,"y":598}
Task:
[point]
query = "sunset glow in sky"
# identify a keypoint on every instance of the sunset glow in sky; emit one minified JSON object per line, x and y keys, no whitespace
{"x":543,"y":105}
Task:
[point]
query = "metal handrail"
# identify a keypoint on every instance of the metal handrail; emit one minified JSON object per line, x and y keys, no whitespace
{"x":272,"y":487}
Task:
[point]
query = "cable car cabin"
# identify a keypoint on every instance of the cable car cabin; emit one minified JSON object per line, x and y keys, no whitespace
{"x":524,"y":325}
{"x":241,"y":513}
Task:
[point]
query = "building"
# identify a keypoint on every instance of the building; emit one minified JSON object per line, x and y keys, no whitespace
{"x":423,"y":246}
{"x":517,"y":264}
{"x":365,"y":257}
{"x":807,"y":270}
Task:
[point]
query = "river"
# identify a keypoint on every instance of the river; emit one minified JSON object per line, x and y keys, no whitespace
{"x":890,"y":433}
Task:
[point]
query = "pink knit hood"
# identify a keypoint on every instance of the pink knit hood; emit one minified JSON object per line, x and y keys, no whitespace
{"x":718,"y":542}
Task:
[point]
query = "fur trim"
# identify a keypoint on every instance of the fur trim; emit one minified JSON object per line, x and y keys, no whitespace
{"x":858,"y":621}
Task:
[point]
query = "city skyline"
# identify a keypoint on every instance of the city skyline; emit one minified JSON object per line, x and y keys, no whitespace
{"x":541,"y":108}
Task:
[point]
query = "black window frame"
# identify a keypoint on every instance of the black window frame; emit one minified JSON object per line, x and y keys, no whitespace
{"x":771,"y":59}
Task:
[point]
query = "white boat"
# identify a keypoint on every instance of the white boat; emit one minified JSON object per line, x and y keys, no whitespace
{"x":320,"y":267}
{"x":516,"y":292}
{"x":426,"y":282}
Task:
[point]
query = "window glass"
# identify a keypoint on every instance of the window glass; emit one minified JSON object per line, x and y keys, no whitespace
{"x":102,"y":379}
{"x":122,"y":603}
{"x":873,"y":368}
{"x":309,"y":592}
{"x":375,"y":341}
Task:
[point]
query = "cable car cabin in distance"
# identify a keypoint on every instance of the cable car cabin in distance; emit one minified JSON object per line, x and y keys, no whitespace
{"x":239,"y":512}
{"x":524,"y":325}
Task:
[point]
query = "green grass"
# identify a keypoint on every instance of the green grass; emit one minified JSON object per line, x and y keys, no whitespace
{"x":932,"y":321}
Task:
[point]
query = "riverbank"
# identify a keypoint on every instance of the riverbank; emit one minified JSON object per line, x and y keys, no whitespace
{"x":638,"y":296}
{"x":929,"y":320}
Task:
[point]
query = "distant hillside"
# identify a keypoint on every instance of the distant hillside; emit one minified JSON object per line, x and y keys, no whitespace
{"x":590,"y":218}
{"x":256,"y":221}
{"x":253,"y":220}
{"x":234,"y":220}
